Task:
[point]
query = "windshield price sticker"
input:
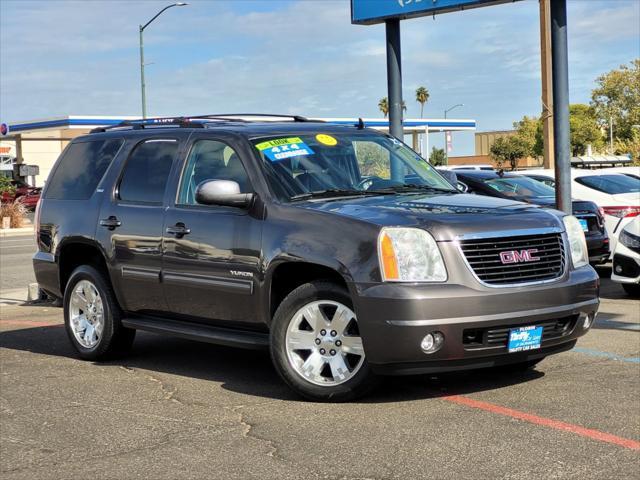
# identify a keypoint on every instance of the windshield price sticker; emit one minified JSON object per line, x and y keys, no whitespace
{"x":283,"y":148}
{"x":325,"y":139}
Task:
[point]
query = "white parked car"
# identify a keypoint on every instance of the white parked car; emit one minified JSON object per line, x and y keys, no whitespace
{"x":630,"y":171}
{"x":468,"y":167}
{"x":617,"y":194}
{"x":626,"y":258}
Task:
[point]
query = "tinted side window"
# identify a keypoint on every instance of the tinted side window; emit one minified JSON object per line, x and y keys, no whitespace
{"x":147,"y":171}
{"x":211,"y":160}
{"x":81,"y":168}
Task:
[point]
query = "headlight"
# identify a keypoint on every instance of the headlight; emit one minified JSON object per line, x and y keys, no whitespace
{"x":409,"y":255}
{"x":577,"y":242}
{"x":629,"y":240}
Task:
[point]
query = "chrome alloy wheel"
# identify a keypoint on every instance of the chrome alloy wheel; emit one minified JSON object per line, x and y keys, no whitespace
{"x":323,"y":343}
{"x":86,"y":314}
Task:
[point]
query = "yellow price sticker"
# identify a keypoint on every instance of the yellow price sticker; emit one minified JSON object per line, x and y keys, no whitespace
{"x":278,"y":142}
{"x":326,"y":139}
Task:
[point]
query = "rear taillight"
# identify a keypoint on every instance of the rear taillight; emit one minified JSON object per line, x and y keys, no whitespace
{"x":36,"y":222}
{"x":622,"y":212}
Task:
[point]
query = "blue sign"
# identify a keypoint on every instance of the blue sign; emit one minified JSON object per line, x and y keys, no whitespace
{"x":525,"y":338}
{"x":377,"y":11}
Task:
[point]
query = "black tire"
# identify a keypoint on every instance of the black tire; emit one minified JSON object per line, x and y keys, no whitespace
{"x":362,"y":382}
{"x":632,"y":289}
{"x":115,"y":340}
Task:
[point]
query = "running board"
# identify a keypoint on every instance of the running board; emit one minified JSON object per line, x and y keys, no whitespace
{"x":200,"y":333}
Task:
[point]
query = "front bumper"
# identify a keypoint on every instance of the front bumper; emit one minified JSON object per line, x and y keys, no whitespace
{"x":626,"y":266}
{"x":394,"y":318}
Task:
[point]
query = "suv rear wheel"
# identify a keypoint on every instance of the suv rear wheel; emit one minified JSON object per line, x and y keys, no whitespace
{"x":92,"y":316}
{"x":316,"y":345}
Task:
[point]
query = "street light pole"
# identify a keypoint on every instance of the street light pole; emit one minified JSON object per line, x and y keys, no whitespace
{"x":611,"y":134}
{"x":141,"y":31}
{"x":142,"y":87}
{"x":446,"y":143}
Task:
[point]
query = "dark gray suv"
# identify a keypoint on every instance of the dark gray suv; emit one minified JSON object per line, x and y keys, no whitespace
{"x":336,"y":247}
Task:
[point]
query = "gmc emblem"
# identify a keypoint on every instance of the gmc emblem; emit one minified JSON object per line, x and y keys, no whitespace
{"x":519,"y":256}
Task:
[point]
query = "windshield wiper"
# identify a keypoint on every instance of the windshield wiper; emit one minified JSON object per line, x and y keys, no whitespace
{"x":415,"y":186}
{"x":337,"y":192}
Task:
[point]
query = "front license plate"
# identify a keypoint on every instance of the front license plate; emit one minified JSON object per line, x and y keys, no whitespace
{"x":584,"y":224}
{"x":525,"y":338}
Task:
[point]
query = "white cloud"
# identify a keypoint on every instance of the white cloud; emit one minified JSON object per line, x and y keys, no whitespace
{"x":62,"y":58}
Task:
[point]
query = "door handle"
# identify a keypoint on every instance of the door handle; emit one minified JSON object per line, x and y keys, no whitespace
{"x":111,"y":223}
{"x":179,"y":230}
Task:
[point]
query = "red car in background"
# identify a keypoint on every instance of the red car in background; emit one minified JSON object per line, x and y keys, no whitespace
{"x":27,"y":194}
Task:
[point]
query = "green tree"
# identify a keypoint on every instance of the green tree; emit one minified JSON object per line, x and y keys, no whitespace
{"x":617,"y":95}
{"x":629,"y":147}
{"x":383,"y":105}
{"x":422,"y":96}
{"x":6,"y":186}
{"x":529,"y":130}
{"x":508,"y":149}
{"x":437,"y":157}
{"x":584,"y":129}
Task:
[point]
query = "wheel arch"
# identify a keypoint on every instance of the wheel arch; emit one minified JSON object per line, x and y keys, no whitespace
{"x":76,"y":251}
{"x":284,"y":276}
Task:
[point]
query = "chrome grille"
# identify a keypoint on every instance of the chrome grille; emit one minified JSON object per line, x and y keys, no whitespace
{"x":484,"y":257}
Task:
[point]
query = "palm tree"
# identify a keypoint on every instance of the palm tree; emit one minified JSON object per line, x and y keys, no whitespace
{"x":383,"y":105}
{"x":422,"y":96}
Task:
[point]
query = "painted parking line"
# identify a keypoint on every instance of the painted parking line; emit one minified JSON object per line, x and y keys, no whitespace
{"x":609,"y":355}
{"x":28,"y":323}
{"x":546,"y":422}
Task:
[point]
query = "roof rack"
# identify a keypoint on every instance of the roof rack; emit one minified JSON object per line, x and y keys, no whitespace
{"x":243,"y":116}
{"x":188,"y":122}
{"x":151,"y":123}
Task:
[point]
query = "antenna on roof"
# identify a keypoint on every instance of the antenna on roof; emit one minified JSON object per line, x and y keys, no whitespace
{"x":360,"y":124}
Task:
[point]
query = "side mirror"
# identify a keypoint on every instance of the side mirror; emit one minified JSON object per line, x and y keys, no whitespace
{"x":462,"y":187}
{"x":449,"y":175}
{"x":225,"y":193}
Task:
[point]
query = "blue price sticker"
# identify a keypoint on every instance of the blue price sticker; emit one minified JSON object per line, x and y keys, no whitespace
{"x":283,"y":148}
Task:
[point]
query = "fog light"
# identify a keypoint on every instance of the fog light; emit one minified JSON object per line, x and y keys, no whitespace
{"x":432,"y":342}
{"x":587,"y":319}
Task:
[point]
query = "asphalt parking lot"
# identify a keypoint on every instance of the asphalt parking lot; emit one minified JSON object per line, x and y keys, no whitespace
{"x":179,"y":409}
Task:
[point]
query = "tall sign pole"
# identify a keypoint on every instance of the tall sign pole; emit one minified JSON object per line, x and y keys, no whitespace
{"x":560,"y":66}
{"x":547,"y":87}
{"x":142,"y":85}
{"x":394,"y":87}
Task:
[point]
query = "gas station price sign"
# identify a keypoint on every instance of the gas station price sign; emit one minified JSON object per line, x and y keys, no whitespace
{"x":368,"y":12}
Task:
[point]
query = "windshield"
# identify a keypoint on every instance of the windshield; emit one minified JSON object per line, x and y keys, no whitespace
{"x":611,"y":184}
{"x":520,"y":187}
{"x":363,"y":163}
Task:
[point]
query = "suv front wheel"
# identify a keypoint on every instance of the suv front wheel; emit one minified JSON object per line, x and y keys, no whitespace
{"x":92,"y":316}
{"x":316,"y":345}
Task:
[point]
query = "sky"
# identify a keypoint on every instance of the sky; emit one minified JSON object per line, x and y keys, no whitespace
{"x":305,"y":57}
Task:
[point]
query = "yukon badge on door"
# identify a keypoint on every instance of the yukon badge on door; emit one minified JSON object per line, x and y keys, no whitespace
{"x":238,"y":273}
